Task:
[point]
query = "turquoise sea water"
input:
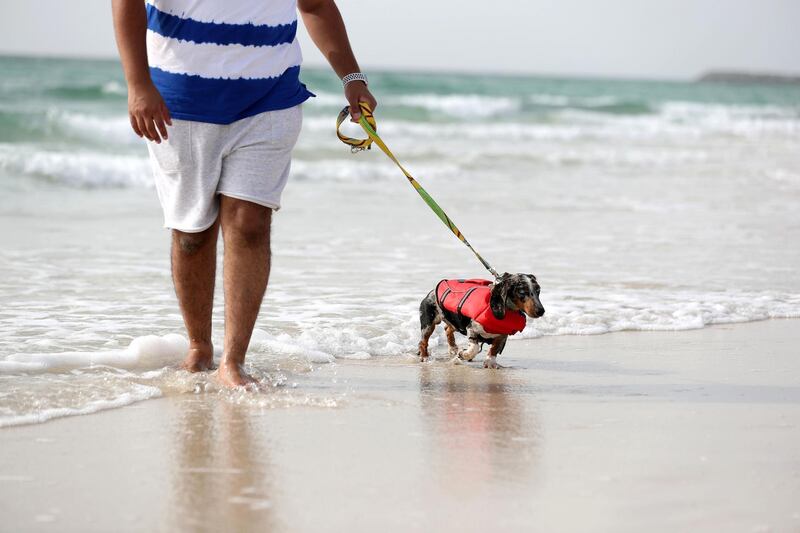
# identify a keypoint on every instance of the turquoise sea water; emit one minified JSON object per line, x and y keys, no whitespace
{"x":640,"y":205}
{"x":55,"y":106}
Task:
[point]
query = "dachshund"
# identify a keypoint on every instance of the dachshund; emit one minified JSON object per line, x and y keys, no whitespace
{"x":485,"y":312}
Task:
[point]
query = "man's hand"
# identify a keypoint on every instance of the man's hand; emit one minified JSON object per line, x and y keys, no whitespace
{"x":326,"y":28}
{"x":355,"y":92}
{"x":148,"y":112}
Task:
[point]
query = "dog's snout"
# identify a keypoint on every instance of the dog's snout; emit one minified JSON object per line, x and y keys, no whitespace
{"x":540,"y":311}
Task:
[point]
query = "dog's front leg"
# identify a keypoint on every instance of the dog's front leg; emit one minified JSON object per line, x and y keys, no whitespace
{"x":472,"y":349}
{"x":498,"y":343}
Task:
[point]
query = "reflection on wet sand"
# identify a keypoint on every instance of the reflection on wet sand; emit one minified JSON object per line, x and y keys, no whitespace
{"x":222,"y":479}
{"x":481,"y":427}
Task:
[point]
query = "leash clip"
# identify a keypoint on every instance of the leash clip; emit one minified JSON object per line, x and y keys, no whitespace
{"x":356,"y":149}
{"x":356,"y":145}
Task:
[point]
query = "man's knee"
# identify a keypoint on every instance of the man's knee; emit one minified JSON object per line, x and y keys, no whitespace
{"x":191,"y":243}
{"x":247,"y":224}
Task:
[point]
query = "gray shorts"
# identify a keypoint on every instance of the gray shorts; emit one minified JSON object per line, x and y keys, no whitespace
{"x":248,"y":159}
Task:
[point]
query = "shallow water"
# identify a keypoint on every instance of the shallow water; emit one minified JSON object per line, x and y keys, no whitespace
{"x":638,"y":205}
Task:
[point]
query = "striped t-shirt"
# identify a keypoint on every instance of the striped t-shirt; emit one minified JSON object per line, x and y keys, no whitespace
{"x":223,"y":60}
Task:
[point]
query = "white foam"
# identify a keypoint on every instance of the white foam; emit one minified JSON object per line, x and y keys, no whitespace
{"x":324,"y":99}
{"x":674,"y":122}
{"x":559,"y":100}
{"x":596,"y":312}
{"x":150,"y":351}
{"x":95,"y":128}
{"x":138,"y":394}
{"x":652,"y":310}
{"x":549,"y":99}
{"x":115,"y":88}
{"x":285,"y":345}
{"x":91,"y":381}
{"x":459,"y":105}
{"x":377,"y":171}
{"x":79,"y":169}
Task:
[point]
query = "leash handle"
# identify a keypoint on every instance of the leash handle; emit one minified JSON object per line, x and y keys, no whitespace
{"x":368,"y":124}
{"x":356,"y":145}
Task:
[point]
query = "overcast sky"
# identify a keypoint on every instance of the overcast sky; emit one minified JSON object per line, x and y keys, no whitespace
{"x":630,"y":38}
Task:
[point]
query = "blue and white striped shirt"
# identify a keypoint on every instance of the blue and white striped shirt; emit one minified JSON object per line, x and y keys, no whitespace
{"x":223,"y":60}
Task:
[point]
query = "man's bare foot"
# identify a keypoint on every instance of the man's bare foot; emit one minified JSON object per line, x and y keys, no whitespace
{"x":199,"y":359}
{"x":232,"y":375}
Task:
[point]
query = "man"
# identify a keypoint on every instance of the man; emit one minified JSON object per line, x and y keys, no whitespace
{"x":214,"y":86}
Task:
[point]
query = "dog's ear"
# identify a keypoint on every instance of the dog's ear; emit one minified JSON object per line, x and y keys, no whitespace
{"x":497,"y":301}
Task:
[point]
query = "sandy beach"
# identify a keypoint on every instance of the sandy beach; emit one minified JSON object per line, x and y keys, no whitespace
{"x":633,"y":431}
{"x":657,"y":208}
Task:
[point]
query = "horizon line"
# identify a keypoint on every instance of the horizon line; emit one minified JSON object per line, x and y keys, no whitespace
{"x":459,"y":72}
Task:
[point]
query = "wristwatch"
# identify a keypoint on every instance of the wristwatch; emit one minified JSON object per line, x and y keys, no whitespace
{"x":355,"y":76}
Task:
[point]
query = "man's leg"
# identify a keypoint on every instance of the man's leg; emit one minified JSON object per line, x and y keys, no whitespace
{"x":194,"y":265}
{"x":245,"y":229}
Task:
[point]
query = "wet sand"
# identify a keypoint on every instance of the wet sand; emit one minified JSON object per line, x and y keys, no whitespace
{"x":693,"y":430}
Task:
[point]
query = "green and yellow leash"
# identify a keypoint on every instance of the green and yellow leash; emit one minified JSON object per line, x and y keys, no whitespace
{"x":367,"y":122}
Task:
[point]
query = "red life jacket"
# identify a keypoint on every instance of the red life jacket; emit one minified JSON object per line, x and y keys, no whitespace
{"x":463,"y":300}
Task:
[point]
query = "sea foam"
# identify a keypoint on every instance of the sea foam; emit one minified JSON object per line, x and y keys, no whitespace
{"x":145,"y":352}
{"x":78,"y":169}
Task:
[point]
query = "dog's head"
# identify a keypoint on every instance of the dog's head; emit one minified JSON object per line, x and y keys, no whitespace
{"x":517,"y":292}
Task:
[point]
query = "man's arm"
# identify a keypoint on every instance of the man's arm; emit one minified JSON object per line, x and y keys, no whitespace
{"x":148,"y":113}
{"x":326,"y":28}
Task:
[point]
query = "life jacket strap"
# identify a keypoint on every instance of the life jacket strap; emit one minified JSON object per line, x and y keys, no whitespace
{"x":463,"y":301}
{"x":447,"y":291}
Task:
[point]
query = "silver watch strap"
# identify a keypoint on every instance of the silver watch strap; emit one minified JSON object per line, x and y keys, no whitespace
{"x":355,"y":76}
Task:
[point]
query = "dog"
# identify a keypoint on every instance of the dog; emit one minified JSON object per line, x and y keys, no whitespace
{"x":485,"y":312}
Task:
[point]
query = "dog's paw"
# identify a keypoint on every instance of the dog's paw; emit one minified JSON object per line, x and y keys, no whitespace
{"x":465,"y":355}
{"x":453,"y":351}
{"x":423,"y":359}
{"x":490,"y":362}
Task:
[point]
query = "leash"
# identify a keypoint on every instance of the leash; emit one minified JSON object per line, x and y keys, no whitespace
{"x":367,"y":122}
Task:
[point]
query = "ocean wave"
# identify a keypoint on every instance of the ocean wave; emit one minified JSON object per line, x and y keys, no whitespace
{"x":558,"y":108}
{"x":594,"y":313}
{"x":37,"y":387}
{"x":739,"y":120}
{"x":115,"y":88}
{"x":678,"y":121}
{"x":343,"y":331}
{"x":459,"y":105}
{"x":81,"y":169}
{"x":601,"y":103}
{"x":150,"y":351}
{"x":340,"y":170}
{"x":53,"y":124}
{"x":652,"y":310}
{"x":483,"y":106}
{"x":96,"y":150}
{"x":113,"y":400}
{"x":95,"y":129}
{"x":103,"y":90}
{"x":783,"y":177}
